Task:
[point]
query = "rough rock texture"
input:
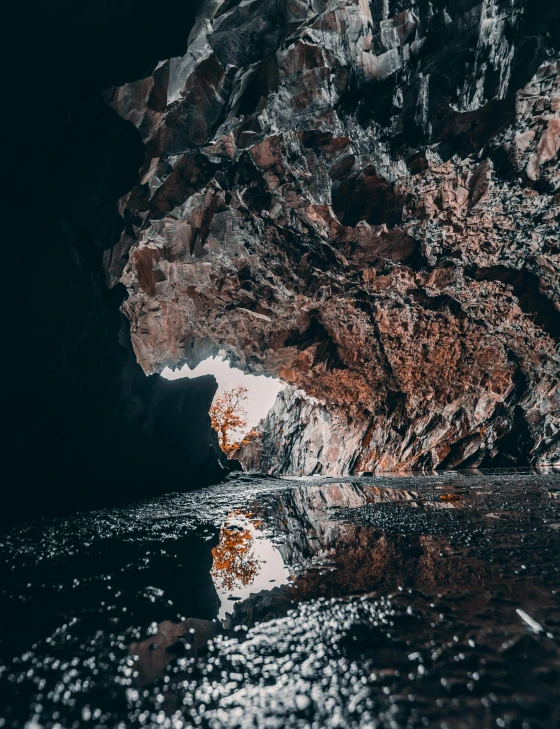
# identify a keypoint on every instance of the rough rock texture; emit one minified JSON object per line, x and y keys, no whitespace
{"x":299,"y":436}
{"x":363,"y":200}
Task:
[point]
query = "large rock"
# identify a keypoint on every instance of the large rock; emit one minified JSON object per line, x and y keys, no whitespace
{"x":362,"y":200}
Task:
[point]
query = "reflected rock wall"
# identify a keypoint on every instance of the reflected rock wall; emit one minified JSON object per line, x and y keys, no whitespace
{"x":318,"y":532}
{"x":363,"y":200}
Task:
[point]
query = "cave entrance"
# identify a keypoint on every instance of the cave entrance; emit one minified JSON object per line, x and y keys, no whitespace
{"x":241,"y":402}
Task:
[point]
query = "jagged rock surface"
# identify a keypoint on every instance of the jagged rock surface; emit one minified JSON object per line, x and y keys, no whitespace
{"x":300,"y":436}
{"x":362,"y":200}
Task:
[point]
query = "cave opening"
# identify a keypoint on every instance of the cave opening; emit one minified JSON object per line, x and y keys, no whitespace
{"x":242,"y":400}
{"x":351,"y":516}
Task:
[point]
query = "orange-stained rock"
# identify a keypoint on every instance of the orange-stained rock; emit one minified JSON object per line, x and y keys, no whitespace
{"x":340,"y":196}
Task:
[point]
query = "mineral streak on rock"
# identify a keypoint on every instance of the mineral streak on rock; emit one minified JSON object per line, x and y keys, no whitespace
{"x":362,"y":200}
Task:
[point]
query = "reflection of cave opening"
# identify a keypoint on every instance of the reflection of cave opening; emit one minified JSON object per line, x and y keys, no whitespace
{"x":245,"y":561}
{"x":258,"y":395}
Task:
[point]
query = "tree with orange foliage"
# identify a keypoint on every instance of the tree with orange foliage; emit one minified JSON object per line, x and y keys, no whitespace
{"x":228,"y":415}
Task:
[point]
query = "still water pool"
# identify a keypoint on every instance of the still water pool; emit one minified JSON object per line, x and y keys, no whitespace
{"x":420,"y":601}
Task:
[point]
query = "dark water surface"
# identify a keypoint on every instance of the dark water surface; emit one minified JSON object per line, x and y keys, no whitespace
{"x":422,"y":601}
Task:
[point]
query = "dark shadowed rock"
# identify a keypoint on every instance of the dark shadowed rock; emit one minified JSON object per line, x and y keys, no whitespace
{"x":83,"y":423}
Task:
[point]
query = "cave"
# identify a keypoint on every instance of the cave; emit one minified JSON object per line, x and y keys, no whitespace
{"x":346,"y":214}
{"x":203,"y":193}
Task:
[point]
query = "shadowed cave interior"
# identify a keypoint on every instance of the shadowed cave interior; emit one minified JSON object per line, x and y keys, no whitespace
{"x":355,"y":202}
{"x":341,"y":303}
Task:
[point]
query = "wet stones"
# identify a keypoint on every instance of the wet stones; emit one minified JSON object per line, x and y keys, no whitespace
{"x":413,"y":601}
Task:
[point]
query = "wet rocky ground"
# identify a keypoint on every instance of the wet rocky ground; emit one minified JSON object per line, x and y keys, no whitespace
{"x":421,"y":601}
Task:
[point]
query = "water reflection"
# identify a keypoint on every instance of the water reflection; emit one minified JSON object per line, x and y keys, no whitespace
{"x":235,"y":562}
{"x":398,"y":604}
{"x":245,"y":561}
{"x":347,"y":538}
{"x":329,"y":557}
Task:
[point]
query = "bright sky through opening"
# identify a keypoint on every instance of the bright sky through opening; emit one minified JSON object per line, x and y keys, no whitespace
{"x":262,"y":391}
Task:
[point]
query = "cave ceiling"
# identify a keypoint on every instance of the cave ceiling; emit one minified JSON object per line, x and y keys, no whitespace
{"x":362,"y":200}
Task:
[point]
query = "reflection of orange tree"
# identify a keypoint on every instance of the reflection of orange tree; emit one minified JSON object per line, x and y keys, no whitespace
{"x":235,"y":563}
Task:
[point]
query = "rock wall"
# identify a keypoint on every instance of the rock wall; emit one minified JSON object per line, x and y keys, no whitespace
{"x":300,"y":436}
{"x":363,"y":200}
{"x":83,"y":425}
